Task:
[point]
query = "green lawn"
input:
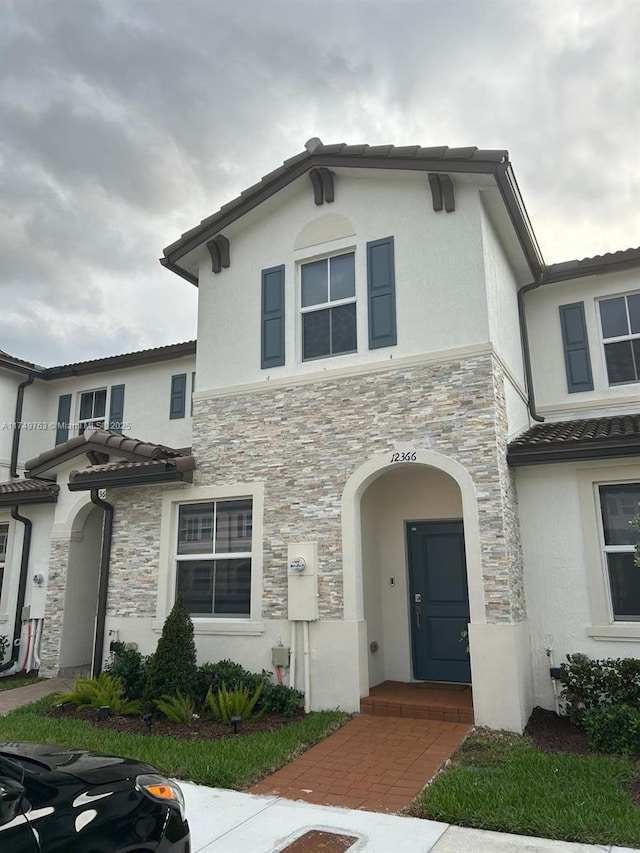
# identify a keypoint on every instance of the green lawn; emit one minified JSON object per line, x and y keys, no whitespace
{"x":504,"y":783}
{"x":230,"y":763}
{"x":10,"y":683}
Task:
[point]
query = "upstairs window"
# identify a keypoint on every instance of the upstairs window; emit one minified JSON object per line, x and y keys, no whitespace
{"x":620,"y":322}
{"x":328,"y":307}
{"x":214,"y":557}
{"x":93,"y":407}
{"x":620,"y":504}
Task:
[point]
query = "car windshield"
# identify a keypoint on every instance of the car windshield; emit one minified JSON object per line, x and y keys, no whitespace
{"x":20,"y":761}
{"x":10,"y":768}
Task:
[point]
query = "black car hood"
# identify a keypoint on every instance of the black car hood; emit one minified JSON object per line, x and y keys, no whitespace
{"x":90,"y":767}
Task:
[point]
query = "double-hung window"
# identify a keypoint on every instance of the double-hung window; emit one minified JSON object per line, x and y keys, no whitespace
{"x":213,"y":557}
{"x":620,"y":504}
{"x":4,"y":538}
{"x":93,"y":407}
{"x":620,"y":322}
{"x":328,"y":306}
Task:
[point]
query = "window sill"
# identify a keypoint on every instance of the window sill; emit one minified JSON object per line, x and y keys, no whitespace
{"x":233,"y":627}
{"x":620,"y":631}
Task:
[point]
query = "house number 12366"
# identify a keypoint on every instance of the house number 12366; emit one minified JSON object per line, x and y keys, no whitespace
{"x":409,"y":456}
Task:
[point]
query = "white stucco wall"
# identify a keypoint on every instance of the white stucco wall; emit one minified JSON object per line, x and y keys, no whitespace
{"x":562,"y":595}
{"x":81,"y":593}
{"x":9,"y":382}
{"x":545,"y":338}
{"x":41,"y":518}
{"x":439,"y":273}
{"x":146,"y":405}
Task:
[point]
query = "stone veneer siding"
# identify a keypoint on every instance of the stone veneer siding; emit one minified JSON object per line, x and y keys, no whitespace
{"x":54,"y":607}
{"x":135,"y":551}
{"x":305,"y":440}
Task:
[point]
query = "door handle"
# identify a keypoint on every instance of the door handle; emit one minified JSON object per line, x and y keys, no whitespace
{"x":418,"y":610}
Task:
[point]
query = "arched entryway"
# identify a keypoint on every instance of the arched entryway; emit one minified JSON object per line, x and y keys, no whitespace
{"x":81,"y":591}
{"x":412,"y":567}
{"x":416,"y":603}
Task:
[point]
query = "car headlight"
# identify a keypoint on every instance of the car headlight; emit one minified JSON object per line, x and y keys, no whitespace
{"x":162,"y":790}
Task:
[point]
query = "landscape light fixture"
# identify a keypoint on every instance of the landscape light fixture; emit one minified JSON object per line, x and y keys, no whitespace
{"x":234,"y":722}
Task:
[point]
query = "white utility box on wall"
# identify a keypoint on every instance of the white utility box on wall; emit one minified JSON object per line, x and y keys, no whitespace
{"x":302,"y":575}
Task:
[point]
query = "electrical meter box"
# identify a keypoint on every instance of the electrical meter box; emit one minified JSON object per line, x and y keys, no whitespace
{"x":302,"y":577}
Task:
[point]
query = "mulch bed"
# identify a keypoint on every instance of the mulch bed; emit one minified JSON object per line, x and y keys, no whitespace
{"x":202,"y":728}
{"x":552,"y":733}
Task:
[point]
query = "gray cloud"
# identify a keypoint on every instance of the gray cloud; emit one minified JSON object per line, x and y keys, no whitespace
{"x":125,"y":122}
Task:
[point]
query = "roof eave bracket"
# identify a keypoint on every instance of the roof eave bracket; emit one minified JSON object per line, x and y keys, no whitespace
{"x":323,"y":187}
{"x":442,"y":193}
{"x":219,"y":251}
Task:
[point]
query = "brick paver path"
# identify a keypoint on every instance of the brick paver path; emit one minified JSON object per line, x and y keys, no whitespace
{"x":374,"y":763}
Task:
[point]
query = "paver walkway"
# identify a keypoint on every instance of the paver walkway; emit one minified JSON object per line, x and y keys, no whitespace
{"x":376,"y":763}
{"x":12,"y":699}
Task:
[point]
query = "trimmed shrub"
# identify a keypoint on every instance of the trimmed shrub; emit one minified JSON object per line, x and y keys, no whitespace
{"x":280,"y":699}
{"x":274,"y":698}
{"x":590,"y":683}
{"x":213,"y":676}
{"x":613,"y":728}
{"x":131,"y":668}
{"x":173,"y":667}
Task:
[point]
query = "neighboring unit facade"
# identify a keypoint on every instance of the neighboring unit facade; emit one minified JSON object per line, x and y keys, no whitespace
{"x":50,"y":537}
{"x":377,"y":332}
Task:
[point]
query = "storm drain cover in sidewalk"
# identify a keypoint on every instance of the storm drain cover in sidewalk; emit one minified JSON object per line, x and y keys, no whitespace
{"x":321,"y":841}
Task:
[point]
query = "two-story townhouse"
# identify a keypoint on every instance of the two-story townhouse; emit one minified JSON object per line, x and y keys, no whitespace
{"x":359,"y":373}
{"x":51,"y":540}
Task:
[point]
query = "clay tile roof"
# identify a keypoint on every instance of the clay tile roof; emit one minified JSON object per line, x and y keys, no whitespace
{"x":609,"y":262}
{"x":28,"y":491}
{"x":140,"y":357}
{"x":102,"y":441}
{"x":338,"y":154}
{"x":19,"y":487}
{"x":592,"y":438}
{"x":133,"y":473}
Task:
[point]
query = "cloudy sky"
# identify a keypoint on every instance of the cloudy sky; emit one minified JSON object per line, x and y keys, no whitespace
{"x":125,"y":122}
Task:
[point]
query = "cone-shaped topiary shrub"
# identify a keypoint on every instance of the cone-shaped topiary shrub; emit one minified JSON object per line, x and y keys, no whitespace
{"x":173,"y":667}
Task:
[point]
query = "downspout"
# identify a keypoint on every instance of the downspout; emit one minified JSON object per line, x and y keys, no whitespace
{"x":22,"y":586}
{"x":526,"y":354}
{"x":103,"y":586}
{"x":17,"y":426}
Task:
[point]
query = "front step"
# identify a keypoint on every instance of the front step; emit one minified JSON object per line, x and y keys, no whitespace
{"x":421,"y":701}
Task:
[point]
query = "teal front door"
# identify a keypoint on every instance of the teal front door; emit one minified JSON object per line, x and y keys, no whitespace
{"x":439,"y":601}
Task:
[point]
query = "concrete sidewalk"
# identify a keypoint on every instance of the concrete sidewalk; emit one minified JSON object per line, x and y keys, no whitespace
{"x":232,"y":822}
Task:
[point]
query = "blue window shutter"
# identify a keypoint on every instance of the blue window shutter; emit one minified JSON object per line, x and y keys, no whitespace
{"x":381,"y":282}
{"x":272,"y":318}
{"x":64,"y":415}
{"x":577,"y":361}
{"x":178,"y":396}
{"x":116,"y":408}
